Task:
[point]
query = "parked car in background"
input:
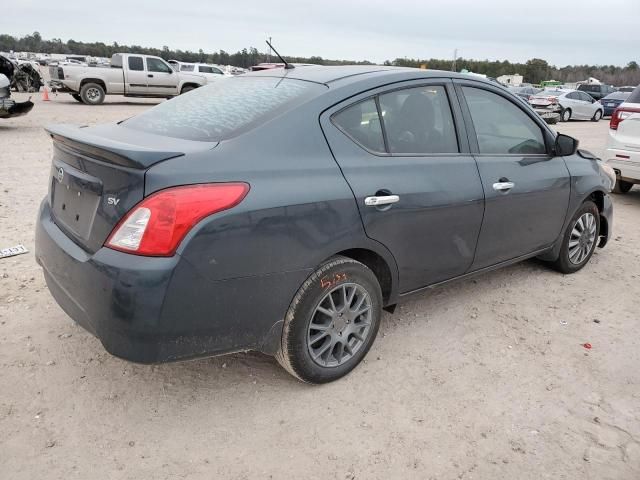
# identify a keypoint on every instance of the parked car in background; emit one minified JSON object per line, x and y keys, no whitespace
{"x":570,"y":104}
{"x":623,"y":147}
{"x":209,"y":71}
{"x":626,"y":89}
{"x":525,"y":92}
{"x":597,"y":91}
{"x":613,"y":101}
{"x":131,"y":75}
{"x":281,"y":211}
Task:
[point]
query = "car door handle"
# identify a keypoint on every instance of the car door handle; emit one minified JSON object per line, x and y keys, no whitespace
{"x":150,"y":76}
{"x":381,"y":200}
{"x":503,"y":186}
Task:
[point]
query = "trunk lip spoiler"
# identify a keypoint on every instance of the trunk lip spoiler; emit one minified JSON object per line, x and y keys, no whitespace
{"x":112,"y":151}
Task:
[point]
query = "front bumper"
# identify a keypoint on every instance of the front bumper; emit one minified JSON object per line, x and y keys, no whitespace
{"x":151,"y":310}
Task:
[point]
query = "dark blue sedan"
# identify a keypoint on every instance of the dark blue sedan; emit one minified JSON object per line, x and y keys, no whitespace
{"x":613,"y":101}
{"x":283,"y":210}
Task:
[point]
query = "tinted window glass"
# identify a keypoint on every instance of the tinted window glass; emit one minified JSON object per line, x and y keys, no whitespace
{"x":224,"y":109}
{"x":186,"y":68}
{"x":501,"y":127}
{"x":589,"y":88}
{"x":419,"y":120}
{"x":573,"y":96}
{"x":362,"y":123}
{"x":617,"y":96}
{"x":135,"y":63}
{"x":635,"y":96}
{"x":205,"y":69}
{"x":585,"y":97}
{"x":157,"y":65}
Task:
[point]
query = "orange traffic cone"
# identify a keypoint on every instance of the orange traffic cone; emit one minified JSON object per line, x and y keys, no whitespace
{"x":45,"y":95}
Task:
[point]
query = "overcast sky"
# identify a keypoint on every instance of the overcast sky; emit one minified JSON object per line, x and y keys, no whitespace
{"x":562,"y":32}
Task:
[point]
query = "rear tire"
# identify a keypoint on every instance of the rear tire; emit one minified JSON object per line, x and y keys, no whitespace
{"x":597,"y":116}
{"x":187,"y":88}
{"x":622,"y":187}
{"x":324,"y":336}
{"x":92,"y":94}
{"x":580,"y":239}
{"x":565,"y":115}
{"x":77,"y":97}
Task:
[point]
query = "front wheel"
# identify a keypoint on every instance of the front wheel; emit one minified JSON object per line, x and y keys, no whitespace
{"x":77,"y":97}
{"x":332,"y":322}
{"x":621,"y":186}
{"x":597,"y":116}
{"x":187,"y":88}
{"x":580,"y":239}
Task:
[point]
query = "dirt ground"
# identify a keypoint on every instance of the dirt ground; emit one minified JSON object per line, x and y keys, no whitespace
{"x":483,"y":379}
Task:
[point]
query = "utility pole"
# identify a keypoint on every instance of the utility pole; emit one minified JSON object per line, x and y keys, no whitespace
{"x":269,"y":55}
{"x":455,"y":57}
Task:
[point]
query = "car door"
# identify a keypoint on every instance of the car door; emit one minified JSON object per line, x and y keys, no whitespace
{"x":589,"y":105}
{"x":161,"y":79}
{"x":571,"y":101}
{"x":526,"y":188}
{"x":136,"y":78}
{"x":403,"y":150}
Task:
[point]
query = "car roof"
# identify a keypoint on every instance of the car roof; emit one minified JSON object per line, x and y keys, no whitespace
{"x":352,"y":73}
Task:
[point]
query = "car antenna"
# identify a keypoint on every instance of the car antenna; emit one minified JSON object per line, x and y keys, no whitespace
{"x":287,"y":65}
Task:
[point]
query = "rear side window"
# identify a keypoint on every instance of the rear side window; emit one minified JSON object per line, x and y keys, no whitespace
{"x":224,"y":109}
{"x":501,"y":127}
{"x":186,"y":68}
{"x":136,"y":64}
{"x":419,"y":121}
{"x":362,"y":123}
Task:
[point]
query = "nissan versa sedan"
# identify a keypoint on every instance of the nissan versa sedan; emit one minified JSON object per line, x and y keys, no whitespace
{"x":282,"y":211}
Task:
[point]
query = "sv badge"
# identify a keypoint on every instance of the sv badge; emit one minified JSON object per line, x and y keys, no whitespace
{"x":113,"y":201}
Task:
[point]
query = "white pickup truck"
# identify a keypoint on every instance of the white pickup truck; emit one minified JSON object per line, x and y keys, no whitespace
{"x":131,"y":75}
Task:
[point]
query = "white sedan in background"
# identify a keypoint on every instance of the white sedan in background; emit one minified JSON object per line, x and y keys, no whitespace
{"x":623,"y":147}
{"x":569,"y":104}
{"x":209,"y":71}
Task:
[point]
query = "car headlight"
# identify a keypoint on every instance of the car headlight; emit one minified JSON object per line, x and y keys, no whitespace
{"x":609,"y":172}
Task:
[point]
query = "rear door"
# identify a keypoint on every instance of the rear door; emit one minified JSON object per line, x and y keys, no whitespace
{"x":404,"y":152}
{"x":526,"y":189}
{"x":136,"y":76}
{"x":572,"y":101}
{"x":588,"y":105}
{"x":161,"y":79}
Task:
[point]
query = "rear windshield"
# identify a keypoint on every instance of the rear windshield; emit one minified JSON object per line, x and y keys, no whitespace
{"x":589,"y":88}
{"x":635,"y":96}
{"x":617,"y":96}
{"x":224,"y":109}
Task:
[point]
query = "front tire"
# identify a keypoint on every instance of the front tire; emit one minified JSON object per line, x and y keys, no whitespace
{"x":77,"y":97}
{"x":597,"y":116}
{"x":332,"y":322}
{"x":565,"y":116}
{"x":621,"y":186}
{"x":92,"y":94}
{"x":187,"y":88}
{"x":580,"y":239}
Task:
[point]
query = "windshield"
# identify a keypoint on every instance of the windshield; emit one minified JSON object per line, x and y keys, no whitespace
{"x":224,"y":109}
{"x":618,"y":96}
{"x":589,"y":88}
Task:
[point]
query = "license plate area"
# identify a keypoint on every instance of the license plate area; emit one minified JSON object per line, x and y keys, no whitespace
{"x":74,"y":200}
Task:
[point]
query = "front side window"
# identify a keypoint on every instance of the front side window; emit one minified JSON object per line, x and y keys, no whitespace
{"x":501,"y":127}
{"x":418,"y":121}
{"x":157,"y":65}
{"x":136,"y":64}
{"x":362,"y":123}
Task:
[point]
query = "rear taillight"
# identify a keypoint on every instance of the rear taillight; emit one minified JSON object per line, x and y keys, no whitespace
{"x":157,"y":225}
{"x":620,"y":114}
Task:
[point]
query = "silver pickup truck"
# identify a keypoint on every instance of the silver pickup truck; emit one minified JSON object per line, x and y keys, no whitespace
{"x":131,"y":75}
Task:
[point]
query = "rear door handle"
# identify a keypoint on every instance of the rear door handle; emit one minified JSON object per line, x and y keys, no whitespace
{"x":382,"y":200}
{"x":503,"y":186}
{"x":150,"y":76}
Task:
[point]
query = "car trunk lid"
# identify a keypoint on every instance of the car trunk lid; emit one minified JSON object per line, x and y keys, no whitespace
{"x":97,"y":176}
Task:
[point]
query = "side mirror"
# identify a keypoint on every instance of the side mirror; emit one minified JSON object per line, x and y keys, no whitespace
{"x":565,"y":145}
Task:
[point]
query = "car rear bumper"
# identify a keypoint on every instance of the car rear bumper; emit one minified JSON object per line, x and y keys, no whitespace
{"x":626,"y":163}
{"x":151,"y":309}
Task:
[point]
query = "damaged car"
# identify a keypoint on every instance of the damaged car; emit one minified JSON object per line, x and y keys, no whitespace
{"x":26,"y":78}
{"x":8,"y":107}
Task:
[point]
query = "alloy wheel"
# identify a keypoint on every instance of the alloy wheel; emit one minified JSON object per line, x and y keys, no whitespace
{"x":340,"y":325}
{"x":583,"y":238}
